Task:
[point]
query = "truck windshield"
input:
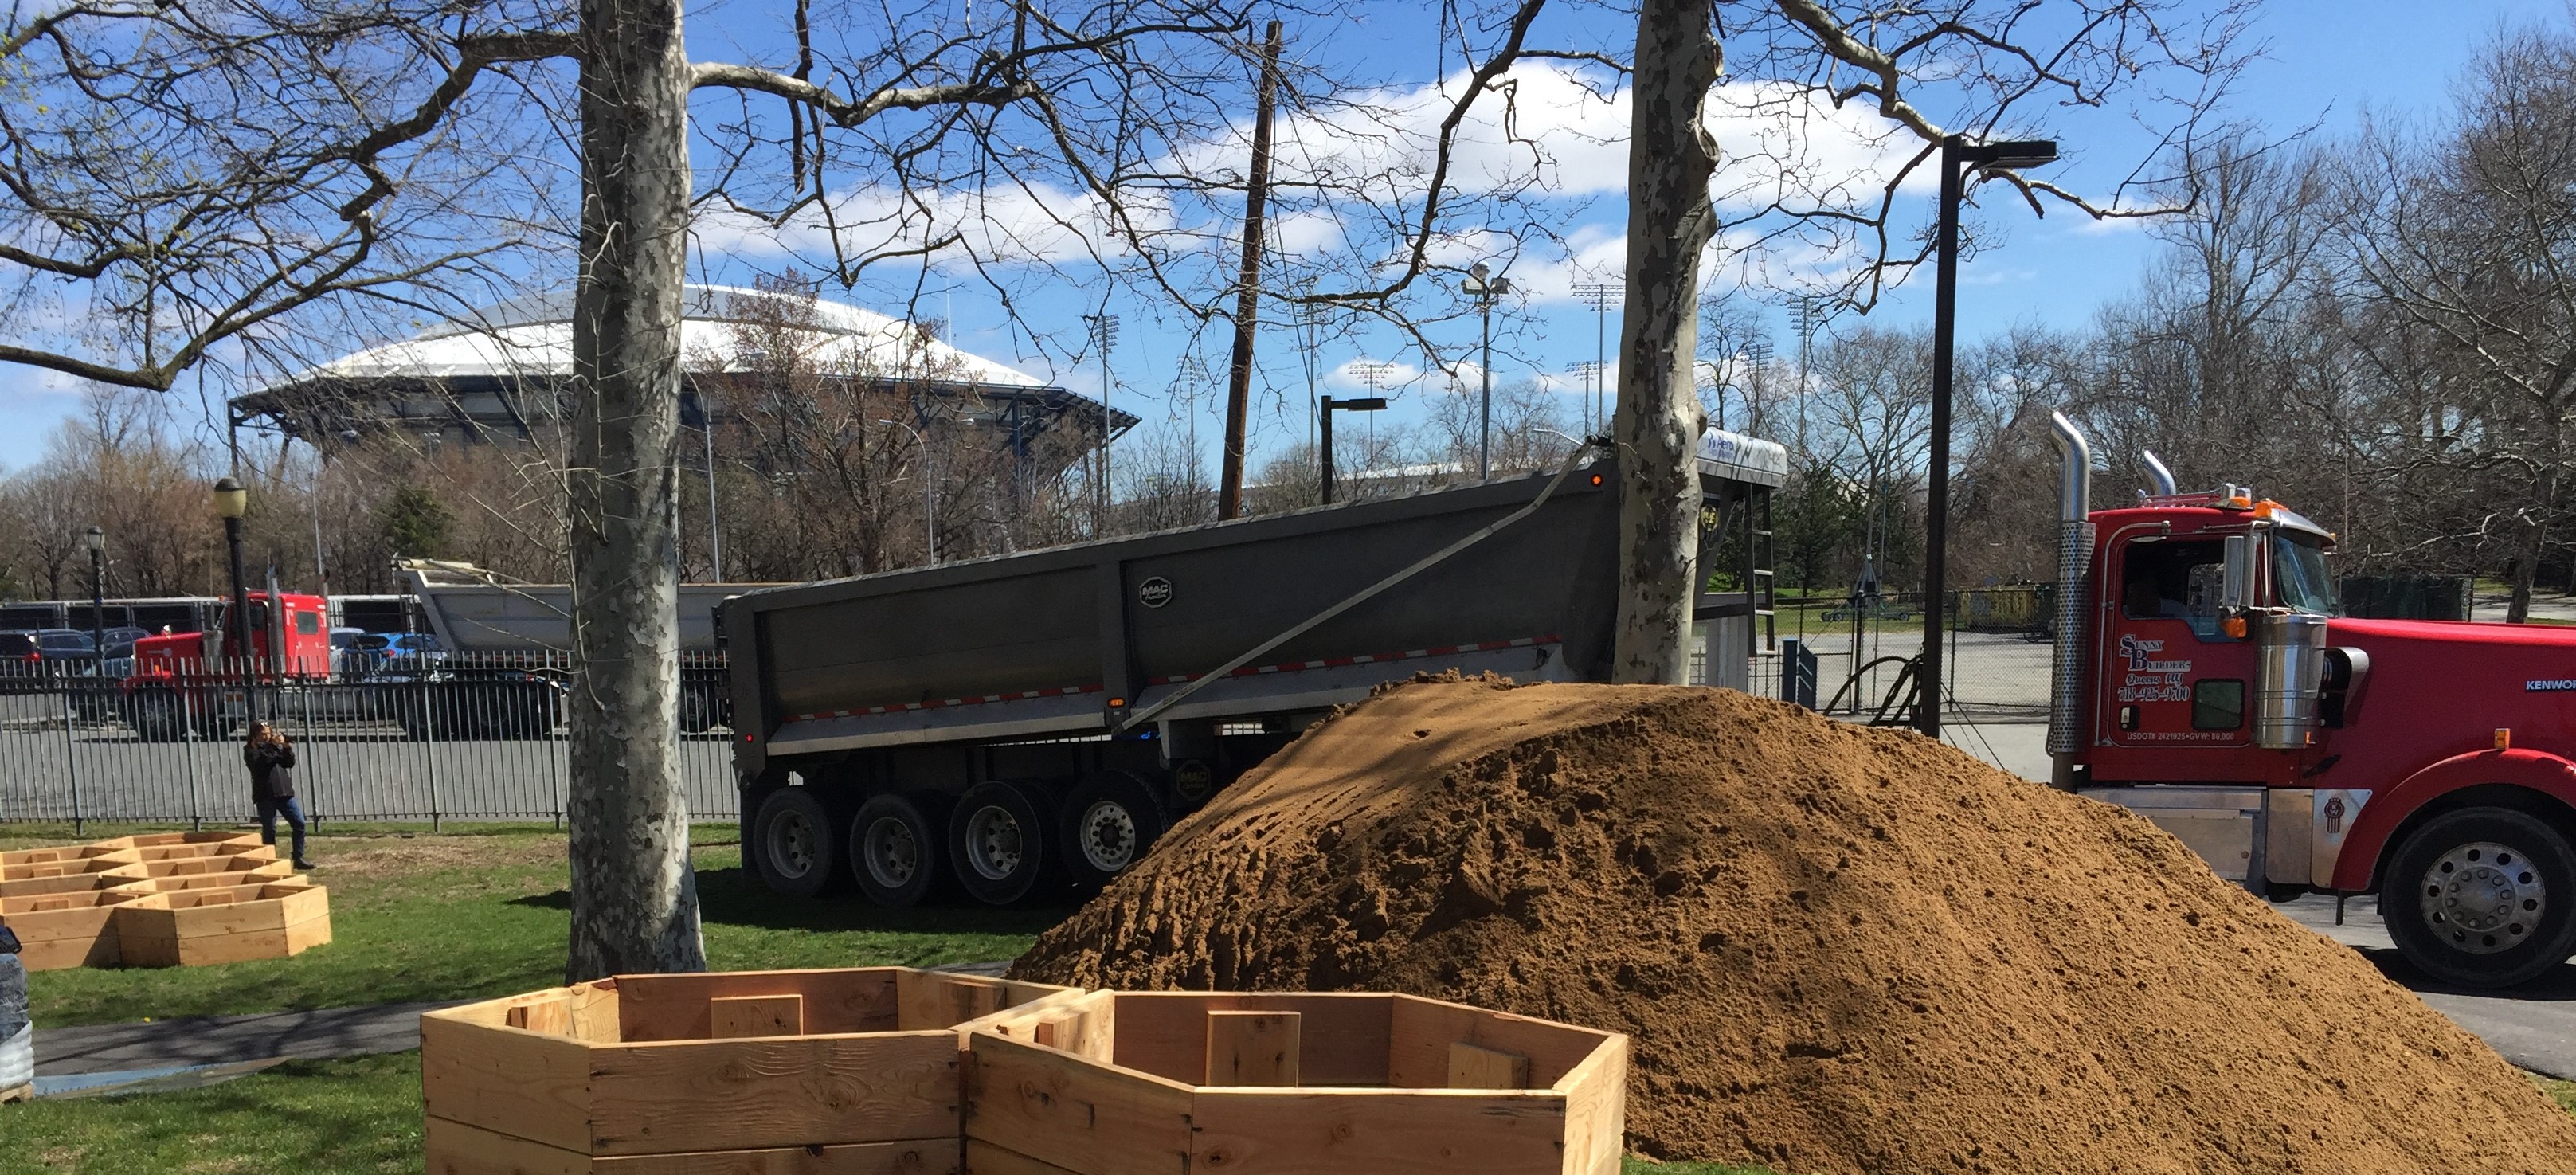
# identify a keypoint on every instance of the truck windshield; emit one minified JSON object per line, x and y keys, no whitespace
{"x":2299,"y":574}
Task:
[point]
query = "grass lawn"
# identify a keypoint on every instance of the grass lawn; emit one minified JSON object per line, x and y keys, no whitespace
{"x":474,"y":913}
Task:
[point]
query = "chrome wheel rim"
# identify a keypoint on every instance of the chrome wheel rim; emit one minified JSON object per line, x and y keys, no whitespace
{"x":893,"y":854}
{"x":1108,"y":835}
{"x":993,"y":843}
{"x":791,"y":845}
{"x":2484,"y":897}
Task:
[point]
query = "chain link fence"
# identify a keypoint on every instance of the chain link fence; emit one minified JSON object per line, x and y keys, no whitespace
{"x":429,"y":738}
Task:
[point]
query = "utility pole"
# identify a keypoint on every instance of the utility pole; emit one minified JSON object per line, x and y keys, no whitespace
{"x":1247,"y":298}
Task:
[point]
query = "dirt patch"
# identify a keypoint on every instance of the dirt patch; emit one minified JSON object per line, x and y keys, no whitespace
{"x":386,"y":858}
{"x":1837,"y":949}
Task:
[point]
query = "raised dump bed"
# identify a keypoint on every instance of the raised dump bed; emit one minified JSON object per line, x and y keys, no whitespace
{"x":229,"y":924}
{"x":1171,"y":1083}
{"x":837,"y":1072}
{"x":70,"y":928}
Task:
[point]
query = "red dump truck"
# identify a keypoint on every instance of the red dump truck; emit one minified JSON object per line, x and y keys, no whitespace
{"x":200,"y":681}
{"x":2202,"y":679}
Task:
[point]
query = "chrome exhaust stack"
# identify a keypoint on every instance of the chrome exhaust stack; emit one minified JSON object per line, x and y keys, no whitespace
{"x":2157,"y":473}
{"x":2068,"y":671}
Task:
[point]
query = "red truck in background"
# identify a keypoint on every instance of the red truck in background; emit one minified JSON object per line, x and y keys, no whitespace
{"x":2202,"y":679}
{"x":199,"y":681}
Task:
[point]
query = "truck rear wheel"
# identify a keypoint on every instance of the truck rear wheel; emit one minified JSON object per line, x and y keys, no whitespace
{"x":894,"y":851}
{"x":795,"y":840}
{"x":1109,"y":820}
{"x":997,"y":840}
{"x":2483,"y":897}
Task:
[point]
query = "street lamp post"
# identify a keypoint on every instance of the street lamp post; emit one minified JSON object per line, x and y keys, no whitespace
{"x":1324,"y":423}
{"x":1957,"y":155}
{"x":231,"y":502}
{"x":1484,"y":288}
{"x":929,"y":493}
{"x":96,"y":540}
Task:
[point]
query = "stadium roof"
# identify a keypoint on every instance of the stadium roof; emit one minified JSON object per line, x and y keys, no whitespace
{"x":531,"y":338}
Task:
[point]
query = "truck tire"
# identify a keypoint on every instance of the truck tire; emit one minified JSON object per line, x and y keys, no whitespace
{"x":894,"y":851}
{"x":796,"y":842}
{"x":2483,"y":897}
{"x":1110,"y":819}
{"x":997,"y":840}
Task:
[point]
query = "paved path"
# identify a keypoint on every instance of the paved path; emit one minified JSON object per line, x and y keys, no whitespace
{"x":196,"y":1041}
{"x":2534,"y":1026}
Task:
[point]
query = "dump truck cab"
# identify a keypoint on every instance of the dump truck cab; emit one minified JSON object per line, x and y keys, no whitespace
{"x":2204,"y":680}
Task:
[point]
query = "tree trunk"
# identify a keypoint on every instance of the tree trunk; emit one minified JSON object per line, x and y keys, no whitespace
{"x":2526,"y":570}
{"x":634,"y":898}
{"x":1670,"y":158}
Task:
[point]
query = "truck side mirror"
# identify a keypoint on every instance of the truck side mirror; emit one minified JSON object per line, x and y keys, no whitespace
{"x":2236,"y":575}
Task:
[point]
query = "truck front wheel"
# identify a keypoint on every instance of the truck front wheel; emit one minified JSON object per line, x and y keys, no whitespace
{"x":997,"y":840}
{"x":894,"y":851}
{"x":795,"y":840}
{"x":2483,"y":897}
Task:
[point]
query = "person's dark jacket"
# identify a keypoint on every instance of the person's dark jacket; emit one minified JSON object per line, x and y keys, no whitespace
{"x":271,"y":774}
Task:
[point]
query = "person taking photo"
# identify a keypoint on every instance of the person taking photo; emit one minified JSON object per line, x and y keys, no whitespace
{"x":271,"y":759}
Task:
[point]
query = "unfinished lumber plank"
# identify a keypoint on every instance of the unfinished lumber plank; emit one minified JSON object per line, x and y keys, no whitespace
{"x":677,"y":1007}
{"x":738,"y":1016}
{"x":454,"y":1148}
{"x":984,"y":1158}
{"x":1471,"y":1067}
{"x":1380,"y":1131}
{"x":1344,"y":1035}
{"x":1252,"y":1048}
{"x":1596,"y":1108}
{"x":1075,"y":1114}
{"x":520,"y":1084}
{"x":19,"y":1094}
{"x":553,"y":1014}
{"x":1423,"y":1029}
{"x":771,"y":1091}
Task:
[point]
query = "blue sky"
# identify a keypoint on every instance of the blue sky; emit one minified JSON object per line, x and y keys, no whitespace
{"x":2326,"y":63}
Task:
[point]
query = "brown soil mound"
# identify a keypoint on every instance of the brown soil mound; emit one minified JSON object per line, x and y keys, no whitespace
{"x":1837,"y":949}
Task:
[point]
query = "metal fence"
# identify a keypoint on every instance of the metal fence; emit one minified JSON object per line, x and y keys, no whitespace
{"x":412,"y":739}
{"x":1996,"y":645}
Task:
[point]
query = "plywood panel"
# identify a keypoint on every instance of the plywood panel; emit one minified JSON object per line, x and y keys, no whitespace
{"x":1381,"y":1132}
{"x":1252,"y":1048}
{"x":785,"y":1091}
{"x":1074,"y":1114}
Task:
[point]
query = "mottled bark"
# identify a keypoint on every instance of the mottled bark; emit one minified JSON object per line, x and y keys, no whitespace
{"x":635,"y":901}
{"x":1670,"y":158}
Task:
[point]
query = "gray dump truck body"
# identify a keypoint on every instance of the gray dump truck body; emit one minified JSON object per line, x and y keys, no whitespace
{"x":1044,"y":669}
{"x":471,"y":610}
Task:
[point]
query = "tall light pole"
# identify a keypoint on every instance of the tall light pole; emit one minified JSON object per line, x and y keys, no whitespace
{"x":1104,"y":334}
{"x":1324,"y":420}
{"x":929,"y":493}
{"x":1602,"y":297}
{"x":96,"y":540}
{"x":1957,"y":154}
{"x":231,"y":502}
{"x":1484,"y":288}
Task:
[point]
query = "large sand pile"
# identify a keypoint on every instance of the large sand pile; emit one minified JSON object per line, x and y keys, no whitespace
{"x":1837,"y":949}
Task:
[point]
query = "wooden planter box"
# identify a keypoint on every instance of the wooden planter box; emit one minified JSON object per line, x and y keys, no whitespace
{"x":226,"y":872}
{"x":840,"y":1072}
{"x":70,"y":876}
{"x":1169,"y":1083}
{"x":230,"y":924}
{"x":71,"y":928}
{"x":54,"y":855}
